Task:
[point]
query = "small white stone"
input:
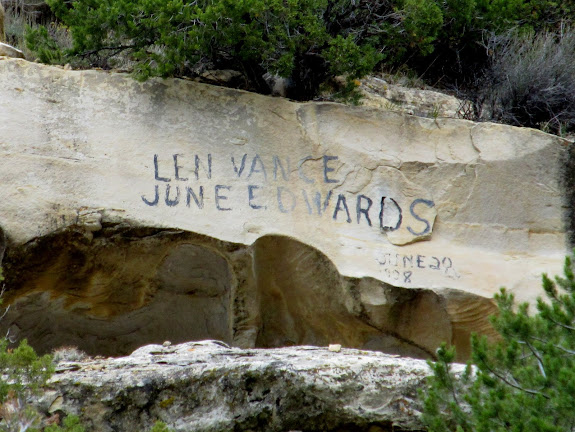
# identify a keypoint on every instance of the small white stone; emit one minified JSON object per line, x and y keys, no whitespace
{"x":167,"y":343}
{"x":334,"y":347}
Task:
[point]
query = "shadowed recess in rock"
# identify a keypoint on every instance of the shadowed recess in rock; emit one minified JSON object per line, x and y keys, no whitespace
{"x":568,"y":185}
{"x":123,"y":287}
{"x":305,"y":301}
{"x":115,"y":293}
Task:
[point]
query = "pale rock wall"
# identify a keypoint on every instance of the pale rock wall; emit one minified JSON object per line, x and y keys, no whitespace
{"x":219,"y":213}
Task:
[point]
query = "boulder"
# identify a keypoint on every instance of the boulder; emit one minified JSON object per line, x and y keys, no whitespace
{"x":209,"y":387}
{"x":378,"y":93}
{"x":139,"y":212}
{"x":9,"y":51}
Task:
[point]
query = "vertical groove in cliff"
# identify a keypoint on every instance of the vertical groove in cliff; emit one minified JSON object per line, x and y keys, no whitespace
{"x":568,"y":184}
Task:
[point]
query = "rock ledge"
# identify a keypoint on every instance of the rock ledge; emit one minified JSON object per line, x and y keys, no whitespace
{"x":207,"y":386}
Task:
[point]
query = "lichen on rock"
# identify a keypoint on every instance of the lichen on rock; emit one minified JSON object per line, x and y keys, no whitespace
{"x":204,"y":386}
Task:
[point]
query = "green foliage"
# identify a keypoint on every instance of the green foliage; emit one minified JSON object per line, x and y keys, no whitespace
{"x":307,"y":41}
{"x":70,"y":424}
{"x":525,"y":381}
{"x":44,"y":45}
{"x":23,"y":372}
{"x":423,"y":21}
{"x":459,"y":44}
{"x":345,"y":57}
{"x":160,"y":426}
{"x":178,"y":38}
{"x":23,"y":375}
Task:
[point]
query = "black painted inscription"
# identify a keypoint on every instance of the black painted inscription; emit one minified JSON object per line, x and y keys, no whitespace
{"x":255,"y":183}
{"x":252,"y":199}
{"x":220,"y":189}
{"x":286,"y":200}
{"x":412,"y":208}
{"x":402,"y":267}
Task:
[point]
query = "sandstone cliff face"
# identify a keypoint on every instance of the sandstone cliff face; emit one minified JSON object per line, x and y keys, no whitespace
{"x":139,"y":212}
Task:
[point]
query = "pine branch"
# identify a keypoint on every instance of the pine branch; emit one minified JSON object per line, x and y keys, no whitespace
{"x":559,"y":347}
{"x":565,"y":326}
{"x":117,"y":49}
{"x":538,"y":357}
{"x":516,"y":385}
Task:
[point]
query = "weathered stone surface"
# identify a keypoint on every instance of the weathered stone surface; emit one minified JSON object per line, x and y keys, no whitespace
{"x":378,"y":93}
{"x":204,"y":386}
{"x":9,"y":50}
{"x":138,"y":212}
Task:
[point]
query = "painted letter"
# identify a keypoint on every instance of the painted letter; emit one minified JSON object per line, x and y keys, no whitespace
{"x":242,"y":166}
{"x":326,"y":169}
{"x":175,"y":201}
{"x":321,"y":207}
{"x":251,"y":189}
{"x":407,"y":277}
{"x":429,"y":204}
{"x":407,"y":259}
{"x":277,"y":163}
{"x":221,"y":197}
{"x":445,"y":262}
{"x":191,"y":194}
{"x":281,"y":189}
{"x":156,"y":175}
{"x":361,"y":210}
{"x":420,"y":259}
{"x":381,"y":214}
{"x":300,"y":171}
{"x":341,"y":199}
{"x":317,"y":200}
{"x":156,"y":198}
{"x":253,"y":169}
{"x":437,"y":264}
{"x":177,"y":168}
{"x":197,"y":167}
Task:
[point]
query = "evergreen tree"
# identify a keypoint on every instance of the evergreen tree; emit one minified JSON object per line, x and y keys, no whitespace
{"x":523,"y":382}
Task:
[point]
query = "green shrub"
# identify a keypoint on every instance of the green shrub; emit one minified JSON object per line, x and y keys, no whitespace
{"x":44,"y":45}
{"x":22,"y":375}
{"x":531,"y":81}
{"x":460,"y":54}
{"x":305,"y":41}
{"x":513,"y":58}
{"x":160,"y":426}
{"x":180,"y":38}
{"x":523,"y":382}
{"x":70,"y":424}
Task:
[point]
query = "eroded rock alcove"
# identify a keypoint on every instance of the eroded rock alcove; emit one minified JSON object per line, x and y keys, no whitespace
{"x":110,"y":291}
{"x":111,"y":294}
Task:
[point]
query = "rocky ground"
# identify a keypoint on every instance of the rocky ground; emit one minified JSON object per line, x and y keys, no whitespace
{"x":208,"y":386}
